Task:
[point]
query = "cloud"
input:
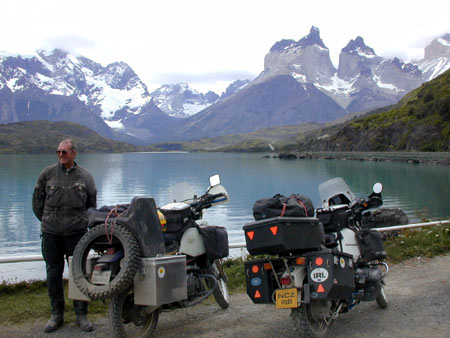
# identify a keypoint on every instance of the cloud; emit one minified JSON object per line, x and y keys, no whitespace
{"x":210,"y":77}
{"x":73,"y":44}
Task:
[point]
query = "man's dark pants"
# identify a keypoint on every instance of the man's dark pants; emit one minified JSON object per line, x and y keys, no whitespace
{"x":55,"y":249}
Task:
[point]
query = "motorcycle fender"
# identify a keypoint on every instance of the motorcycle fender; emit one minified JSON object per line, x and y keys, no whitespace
{"x":74,"y":292}
{"x":299,"y":274}
{"x":192,"y":243}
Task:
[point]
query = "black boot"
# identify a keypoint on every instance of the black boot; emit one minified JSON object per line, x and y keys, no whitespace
{"x":84,"y":323}
{"x":54,"y":323}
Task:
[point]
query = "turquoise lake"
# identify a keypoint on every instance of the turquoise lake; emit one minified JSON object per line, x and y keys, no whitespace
{"x":418,"y":189}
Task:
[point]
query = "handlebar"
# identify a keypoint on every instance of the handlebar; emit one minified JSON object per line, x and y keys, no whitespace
{"x":203,"y":202}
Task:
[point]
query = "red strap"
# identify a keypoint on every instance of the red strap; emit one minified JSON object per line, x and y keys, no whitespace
{"x":283,"y":210}
{"x":304,"y":207}
{"x":301,"y":203}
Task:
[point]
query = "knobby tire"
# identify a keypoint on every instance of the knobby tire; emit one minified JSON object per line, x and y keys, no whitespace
{"x":129,"y":265}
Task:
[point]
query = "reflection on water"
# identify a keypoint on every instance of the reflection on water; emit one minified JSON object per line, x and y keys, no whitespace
{"x":247,"y":177}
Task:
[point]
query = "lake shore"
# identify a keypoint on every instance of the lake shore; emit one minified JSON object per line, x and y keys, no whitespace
{"x":409,"y":157}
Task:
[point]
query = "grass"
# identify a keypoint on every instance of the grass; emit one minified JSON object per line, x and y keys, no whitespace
{"x":423,"y":242}
{"x":28,"y":301}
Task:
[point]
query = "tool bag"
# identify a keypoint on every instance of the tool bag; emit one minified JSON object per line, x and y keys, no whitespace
{"x":215,"y":239}
{"x":370,"y":245}
{"x":295,"y":205}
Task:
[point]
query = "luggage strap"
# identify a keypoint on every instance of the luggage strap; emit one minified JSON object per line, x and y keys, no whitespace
{"x":283,"y":211}
{"x":113,"y":211}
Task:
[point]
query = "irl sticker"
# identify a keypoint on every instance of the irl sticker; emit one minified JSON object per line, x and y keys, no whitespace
{"x":161,"y":272}
{"x":319,"y":275}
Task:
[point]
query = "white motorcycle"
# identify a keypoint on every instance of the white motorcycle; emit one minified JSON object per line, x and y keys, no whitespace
{"x":150,"y":260}
{"x":319,"y":267}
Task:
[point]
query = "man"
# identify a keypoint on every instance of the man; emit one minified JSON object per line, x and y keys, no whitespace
{"x":63,"y":193}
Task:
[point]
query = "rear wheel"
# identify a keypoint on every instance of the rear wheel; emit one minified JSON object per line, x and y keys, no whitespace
{"x":98,"y":242}
{"x":220,"y":293}
{"x":129,"y":320}
{"x":313,"y":319}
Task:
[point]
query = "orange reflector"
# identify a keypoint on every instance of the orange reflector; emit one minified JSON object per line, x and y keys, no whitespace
{"x":319,"y":261}
{"x":250,"y":234}
{"x":257,"y":294}
{"x":300,"y":261}
{"x":255,"y":268}
{"x":274,"y":230}
{"x":267,"y":266}
{"x":320,"y":288}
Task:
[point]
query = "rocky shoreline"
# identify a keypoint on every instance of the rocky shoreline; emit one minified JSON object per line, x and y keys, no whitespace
{"x":408,"y":157}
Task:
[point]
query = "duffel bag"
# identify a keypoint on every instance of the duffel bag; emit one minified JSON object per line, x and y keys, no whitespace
{"x":295,"y":205}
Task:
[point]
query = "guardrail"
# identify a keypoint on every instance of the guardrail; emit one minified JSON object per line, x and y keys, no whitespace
{"x":33,"y":258}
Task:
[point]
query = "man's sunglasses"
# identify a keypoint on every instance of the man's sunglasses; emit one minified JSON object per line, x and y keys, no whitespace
{"x":62,"y":152}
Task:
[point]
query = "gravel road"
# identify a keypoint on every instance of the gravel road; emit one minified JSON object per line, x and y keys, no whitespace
{"x":419,"y":306}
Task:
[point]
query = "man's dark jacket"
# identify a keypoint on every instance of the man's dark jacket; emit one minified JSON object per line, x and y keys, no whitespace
{"x":61,"y":197}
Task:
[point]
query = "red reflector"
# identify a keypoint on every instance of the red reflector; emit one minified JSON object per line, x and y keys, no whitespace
{"x":257,"y":294}
{"x":110,"y":251}
{"x":320,"y":288}
{"x":319,"y":261}
{"x":274,"y":230}
{"x":285,"y":280}
{"x":255,"y":268}
{"x":250,"y":234}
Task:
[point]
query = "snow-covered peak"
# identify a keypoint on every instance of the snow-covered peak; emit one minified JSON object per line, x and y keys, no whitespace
{"x":106,"y":90}
{"x":288,"y":45}
{"x":444,"y":40}
{"x":358,"y":47}
{"x":181,"y":101}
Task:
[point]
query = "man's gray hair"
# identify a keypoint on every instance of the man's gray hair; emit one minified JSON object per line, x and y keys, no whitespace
{"x":72,"y":144}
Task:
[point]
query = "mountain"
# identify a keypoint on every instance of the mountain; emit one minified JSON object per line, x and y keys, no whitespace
{"x":419,"y":122}
{"x":281,"y":100}
{"x":181,"y":101}
{"x":35,"y":104}
{"x":43,"y":137}
{"x":63,"y":87}
{"x":363,"y":80}
{"x":299,"y":84}
{"x":437,"y":58}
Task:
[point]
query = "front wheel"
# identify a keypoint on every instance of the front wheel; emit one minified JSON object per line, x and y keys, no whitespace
{"x":130,"y":320}
{"x":381,"y":298}
{"x":313,"y":319}
{"x":220,"y":293}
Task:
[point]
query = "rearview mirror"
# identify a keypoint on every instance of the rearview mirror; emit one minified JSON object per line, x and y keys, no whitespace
{"x":377,"y":188}
{"x":214,"y":180}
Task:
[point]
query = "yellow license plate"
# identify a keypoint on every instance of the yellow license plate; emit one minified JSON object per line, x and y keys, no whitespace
{"x":286,"y":298}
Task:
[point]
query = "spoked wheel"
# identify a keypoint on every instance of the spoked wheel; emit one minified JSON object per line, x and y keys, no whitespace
{"x":313,"y":319}
{"x":113,"y":276}
{"x":381,"y":298}
{"x":129,"y":320}
{"x":220,"y":293}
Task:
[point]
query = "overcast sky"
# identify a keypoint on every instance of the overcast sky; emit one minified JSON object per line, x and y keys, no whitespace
{"x":210,"y":43}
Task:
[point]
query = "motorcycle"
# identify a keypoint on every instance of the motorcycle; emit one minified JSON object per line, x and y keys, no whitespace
{"x":149,"y":260}
{"x":318,"y":267}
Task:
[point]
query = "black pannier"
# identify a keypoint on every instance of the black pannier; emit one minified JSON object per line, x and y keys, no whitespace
{"x":215,"y":239}
{"x":295,"y":205}
{"x":370,"y":245}
{"x":283,"y":235}
{"x":333,"y":219}
{"x":178,"y":219}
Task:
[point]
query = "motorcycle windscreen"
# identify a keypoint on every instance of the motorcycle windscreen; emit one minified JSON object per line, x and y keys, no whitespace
{"x":335,"y":192}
